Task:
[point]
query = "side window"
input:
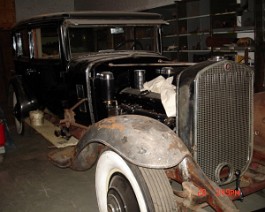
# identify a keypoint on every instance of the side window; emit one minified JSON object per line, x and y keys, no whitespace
{"x":17,"y":44}
{"x":45,"y":43}
{"x":21,"y":43}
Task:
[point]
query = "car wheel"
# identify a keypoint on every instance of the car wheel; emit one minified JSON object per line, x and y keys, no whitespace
{"x":19,"y":124}
{"x":122,"y":186}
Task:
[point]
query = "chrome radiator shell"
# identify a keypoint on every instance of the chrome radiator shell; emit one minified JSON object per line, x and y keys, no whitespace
{"x":215,"y":116}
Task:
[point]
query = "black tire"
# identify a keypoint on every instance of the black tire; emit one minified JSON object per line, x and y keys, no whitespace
{"x":124,"y":187}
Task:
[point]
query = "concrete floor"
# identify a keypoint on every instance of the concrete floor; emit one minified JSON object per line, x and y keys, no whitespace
{"x":30,"y":183}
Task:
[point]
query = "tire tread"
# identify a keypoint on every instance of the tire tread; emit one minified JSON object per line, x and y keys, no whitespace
{"x":160,"y":189}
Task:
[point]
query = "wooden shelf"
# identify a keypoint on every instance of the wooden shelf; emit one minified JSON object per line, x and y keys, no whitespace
{"x":193,"y":22}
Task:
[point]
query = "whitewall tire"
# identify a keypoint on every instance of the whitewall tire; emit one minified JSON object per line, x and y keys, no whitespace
{"x":18,"y":123}
{"x":124,"y":187}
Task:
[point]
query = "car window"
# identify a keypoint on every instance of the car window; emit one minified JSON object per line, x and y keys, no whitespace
{"x":17,"y":44}
{"x":45,"y":43}
{"x":99,"y":38}
{"x":21,"y":43}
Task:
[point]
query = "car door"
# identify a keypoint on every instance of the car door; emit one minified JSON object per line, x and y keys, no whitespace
{"x":22,"y":63}
{"x":47,"y":65}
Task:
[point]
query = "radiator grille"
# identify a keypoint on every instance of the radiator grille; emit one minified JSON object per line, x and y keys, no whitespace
{"x":223,"y":107}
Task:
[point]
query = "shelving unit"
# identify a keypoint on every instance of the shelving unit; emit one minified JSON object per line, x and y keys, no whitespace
{"x":194,"y":28}
{"x":199,"y":29}
{"x":170,"y":32}
{"x":259,"y":45}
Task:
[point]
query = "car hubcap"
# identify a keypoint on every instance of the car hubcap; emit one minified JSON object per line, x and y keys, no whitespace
{"x":121,"y":197}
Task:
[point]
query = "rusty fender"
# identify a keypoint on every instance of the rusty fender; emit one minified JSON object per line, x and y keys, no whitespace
{"x":141,"y":140}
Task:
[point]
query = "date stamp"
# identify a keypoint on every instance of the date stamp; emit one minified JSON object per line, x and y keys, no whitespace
{"x":220,"y":192}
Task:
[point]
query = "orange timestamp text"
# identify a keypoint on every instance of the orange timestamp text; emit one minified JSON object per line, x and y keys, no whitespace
{"x":221,"y":192}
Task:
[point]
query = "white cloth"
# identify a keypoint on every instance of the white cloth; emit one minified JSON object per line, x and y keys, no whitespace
{"x":167,"y":91}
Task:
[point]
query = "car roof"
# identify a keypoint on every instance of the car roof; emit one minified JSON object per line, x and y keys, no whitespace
{"x":92,"y":15}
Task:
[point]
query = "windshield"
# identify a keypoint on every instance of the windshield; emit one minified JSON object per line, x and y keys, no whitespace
{"x":98,"y":38}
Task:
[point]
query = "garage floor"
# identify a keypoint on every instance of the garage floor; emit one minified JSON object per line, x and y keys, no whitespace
{"x":30,"y":183}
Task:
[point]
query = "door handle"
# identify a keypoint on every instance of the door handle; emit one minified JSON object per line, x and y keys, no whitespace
{"x":30,"y":71}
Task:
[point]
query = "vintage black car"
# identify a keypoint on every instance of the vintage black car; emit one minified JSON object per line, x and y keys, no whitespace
{"x":147,"y":121}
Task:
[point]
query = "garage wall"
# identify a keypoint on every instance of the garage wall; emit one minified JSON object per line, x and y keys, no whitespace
{"x":7,"y":20}
{"x":28,"y":8}
{"x":7,"y":14}
{"x":6,"y":64}
{"x":135,"y":5}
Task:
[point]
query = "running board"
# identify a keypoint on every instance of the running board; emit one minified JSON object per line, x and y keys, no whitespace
{"x":47,"y":130}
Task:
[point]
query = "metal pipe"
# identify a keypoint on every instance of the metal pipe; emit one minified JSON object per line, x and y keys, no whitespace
{"x":151,"y":64}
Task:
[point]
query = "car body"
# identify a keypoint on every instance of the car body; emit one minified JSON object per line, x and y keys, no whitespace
{"x":145,"y":119}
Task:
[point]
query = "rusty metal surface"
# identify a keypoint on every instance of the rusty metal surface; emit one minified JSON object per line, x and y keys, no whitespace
{"x":256,"y":173}
{"x":259,"y":121}
{"x":86,"y":158}
{"x":69,"y":116}
{"x":189,"y":171}
{"x":62,"y":158}
{"x":254,"y":179}
{"x":74,"y":130}
{"x":253,"y":188}
{"x":141,"y":140}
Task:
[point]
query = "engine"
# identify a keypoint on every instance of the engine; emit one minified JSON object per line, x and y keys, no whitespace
{"x":134,"y":98}
{"x":213,"y":110}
